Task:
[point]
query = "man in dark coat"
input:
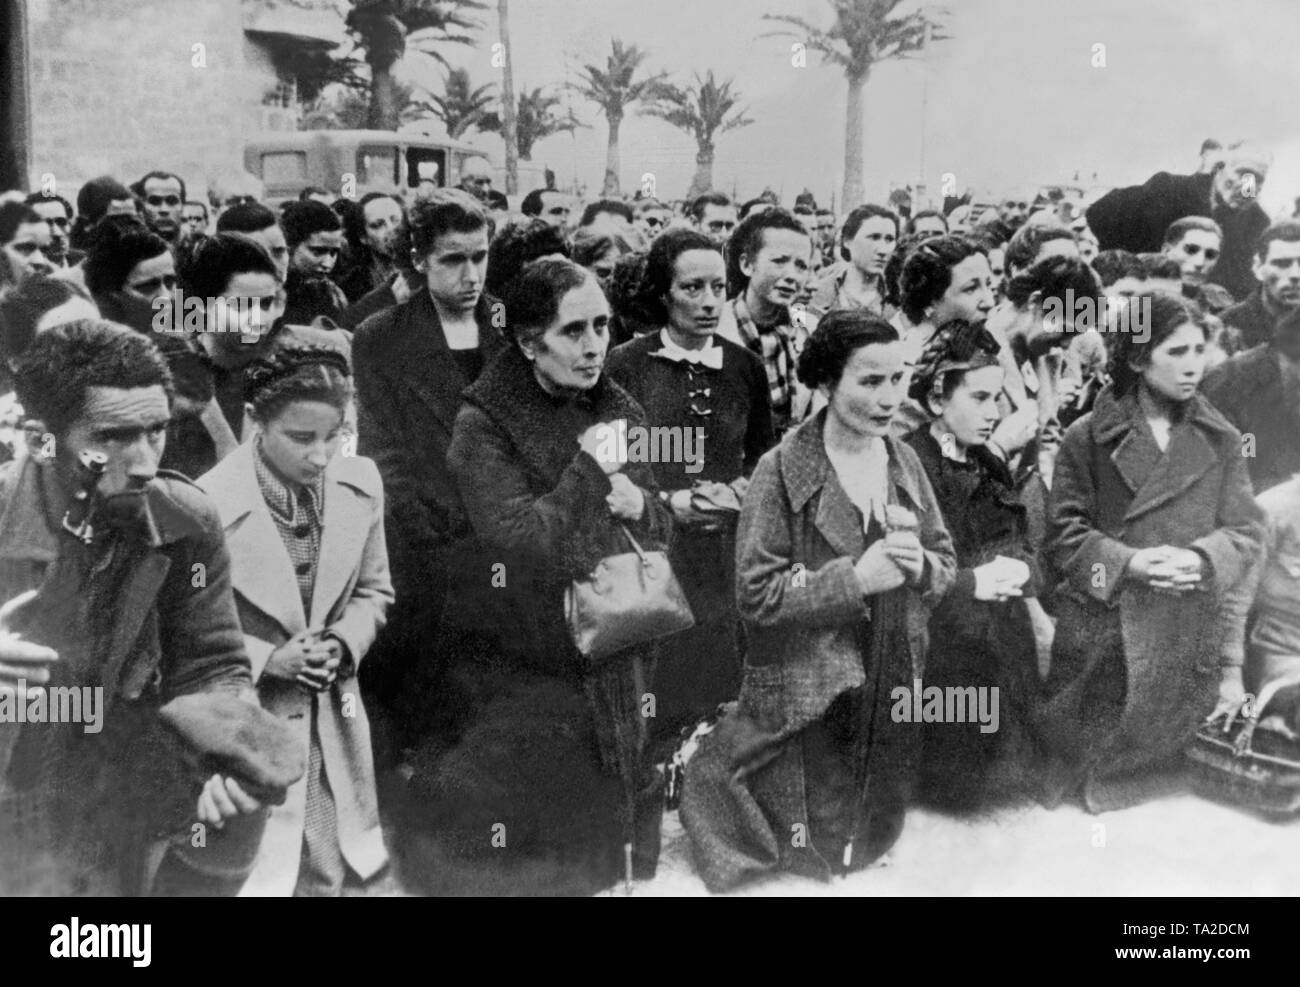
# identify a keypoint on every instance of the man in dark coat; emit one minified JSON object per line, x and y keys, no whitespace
{"x":139,"y":612}
{"x":412,"y":363}
{"x":1136,"y":218}
{"x":1259,"y":392}
{"x":1277,"y":268}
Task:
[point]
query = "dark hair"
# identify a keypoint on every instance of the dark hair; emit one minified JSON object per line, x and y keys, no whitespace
{"x":1059,"y":278}
{"x":854,"y":220}
{"x":749,"y":206}
{"x":1027,"y":241}
{"x":628,"y":315}
{"x":532,"y":204}
{"x":36,"y":197}
{"x":309,"y":296}
{"x":903,"y":247}
{"x":747,"y":240}
{"x":1179,"y":228}
{"x":206,"y":267}
{"x":614,"y":206}
{"x":955,"y":340}
{"x":297,"y":373}
{"x":1160,"y":266}
{"x":23,"y":306}
{"x":927,"y":271}
{"x":14,"y":215}
{"x":515,"y":246}
{"x":138,"y":187}
{"x":248,"y":217}
{"x":300,"y":220}
{"x":698,"y":204}
{"x":911,"y":220}
{"x":1168,"y":312}
{"x":590,"y":245}
{"x":1112,"y":265}
{"x":838,"y":335}
{"x":1287,"y":230}
{"x":94,"y":198}
{"x":446,"y":210}
{"x":59,"y":366}
{"x":116,"y":248}
{"x":660,"y":264}
{"x":534,"y":301}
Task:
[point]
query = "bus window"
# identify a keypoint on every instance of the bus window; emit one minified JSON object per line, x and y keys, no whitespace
{"x":284,"y":167}
{"x":376,"y":165}
{"x":425,"y":164}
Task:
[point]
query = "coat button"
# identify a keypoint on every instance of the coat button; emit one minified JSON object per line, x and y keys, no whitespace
{"x":302,"y":531}
{"x":302,"y":568}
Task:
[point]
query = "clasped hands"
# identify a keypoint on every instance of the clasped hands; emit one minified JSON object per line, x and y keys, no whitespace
{"x":896,"y":559}
{"x":308,"y":658}
{"x":1168,"y":570}
{"x":606,"y":443}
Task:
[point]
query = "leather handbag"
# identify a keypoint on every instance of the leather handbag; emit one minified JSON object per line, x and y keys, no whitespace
{"x":627,"y":599}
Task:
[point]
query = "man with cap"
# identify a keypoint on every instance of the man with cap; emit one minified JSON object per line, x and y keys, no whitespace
{"x":1136,"y":218}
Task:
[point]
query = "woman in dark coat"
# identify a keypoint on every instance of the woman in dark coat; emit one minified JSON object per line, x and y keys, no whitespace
{"x":546,"y":783}
{"x":1150,"y":524}
{"x":981,"y":634}
{"x":841,"y":553}
{"x":715,"y":392}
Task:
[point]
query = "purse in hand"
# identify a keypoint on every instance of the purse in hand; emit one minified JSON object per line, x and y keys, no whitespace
{"x":627,"y":599}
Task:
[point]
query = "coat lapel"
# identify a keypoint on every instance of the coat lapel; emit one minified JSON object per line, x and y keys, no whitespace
{"x":1188,"y":457}
{"x":137,"y":602}
{"x":262,"y":572}
{"x":343,"y":539}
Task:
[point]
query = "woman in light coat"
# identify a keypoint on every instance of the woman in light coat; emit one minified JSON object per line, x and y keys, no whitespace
{"x":306,"y":538}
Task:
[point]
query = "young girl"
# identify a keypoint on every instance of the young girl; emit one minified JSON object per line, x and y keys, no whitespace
{"x":1150,"y":525}
{"x":981,"y":633}
{"x":306,"y":537}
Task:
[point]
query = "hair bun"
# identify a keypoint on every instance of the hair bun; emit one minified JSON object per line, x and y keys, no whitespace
{"x":283,"y":362}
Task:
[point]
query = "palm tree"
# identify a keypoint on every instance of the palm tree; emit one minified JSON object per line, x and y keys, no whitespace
{"x":614,"y":89}
{"x":864,"y":34}
{"x":384,"y":29}
{"x":701,"y":110}
{"x":462,"y":104}
{"x":535,"y":120}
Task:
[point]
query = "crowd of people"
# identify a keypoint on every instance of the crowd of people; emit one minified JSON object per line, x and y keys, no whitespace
{"x":311,"y":538}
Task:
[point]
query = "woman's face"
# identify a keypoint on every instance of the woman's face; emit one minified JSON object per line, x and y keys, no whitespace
{"x":152,"y":278}
{"x":250,"y":306}
{"x":603,"y":267}
{"x":969,"y":296}
{"x":872,"y":245}
{"x":1176,"y":366}
{"x":300,"y":440}
{"x":694,"y":300}
{"x":869,"y":390}
{"x":570,"y":354}
{"x":318,"y":253}
{"x":970,"y":413}
{"x":382,"y":217}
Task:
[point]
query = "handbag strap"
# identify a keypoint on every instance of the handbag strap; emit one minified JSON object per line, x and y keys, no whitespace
{"x":640,"y":552}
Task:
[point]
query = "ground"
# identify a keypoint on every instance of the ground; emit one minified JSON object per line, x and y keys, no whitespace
{"x":1181,"y":845}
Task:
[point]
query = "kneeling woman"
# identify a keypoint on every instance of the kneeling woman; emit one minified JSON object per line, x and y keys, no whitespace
{"x":841,"y":552}
{"x":981,"y":634}
{"x":306,"y":537}
{"x":1150,"y":525}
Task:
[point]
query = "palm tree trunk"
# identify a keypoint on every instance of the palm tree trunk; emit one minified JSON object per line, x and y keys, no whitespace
{"x":612,"y":164}
{"x":509,"y":124}
{"x":383,"y":97}
{"x":703,"y":180}
{"x":853,"y":164}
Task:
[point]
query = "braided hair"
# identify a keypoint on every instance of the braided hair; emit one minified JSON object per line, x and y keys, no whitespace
{"x":297,"y":373}
{"x":956,"y":347}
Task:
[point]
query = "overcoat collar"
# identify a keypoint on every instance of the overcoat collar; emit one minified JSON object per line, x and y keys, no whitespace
{"x":262,"y":572}
{"x":806,"y":469}
{"x":1154,"y":477}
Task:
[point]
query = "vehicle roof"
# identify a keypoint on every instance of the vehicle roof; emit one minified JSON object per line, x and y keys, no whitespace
{"x":301,"y":139}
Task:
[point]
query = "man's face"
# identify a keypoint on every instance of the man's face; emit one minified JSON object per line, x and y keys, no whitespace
{"x":318,"y":253}
{"x":383,"y":218}
{"x":1279,"y":273}
{"x":1195,"y":254}
{"x":162,"y":206}
{"x":652,"y":221}
{"x":476,"y":178}
{"x":931,"y":225}
{"x":455,"y":268}
{"x":780,"y":267}
{"x":1014,"y":210}
{"x":128,"y":425}
{"x":194,"y":218}
{"x":153,"y":277}
{"x":718,"y":222}
{"x":28,"y":250}
{"x":1236,"y":186}
{"x":825,"y":229}
{"x":556,"y":209}
{"x":272,"y":238}
{"x":57,"y":219}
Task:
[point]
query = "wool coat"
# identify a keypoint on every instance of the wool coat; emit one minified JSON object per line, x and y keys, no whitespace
{"x":350,"y":599}
{"x":799,"y":538}
{"x":1249,"y":391}
{"x":1133,"y":671}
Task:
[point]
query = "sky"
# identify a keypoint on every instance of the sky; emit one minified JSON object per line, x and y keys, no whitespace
{"x":1013,"y":98}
